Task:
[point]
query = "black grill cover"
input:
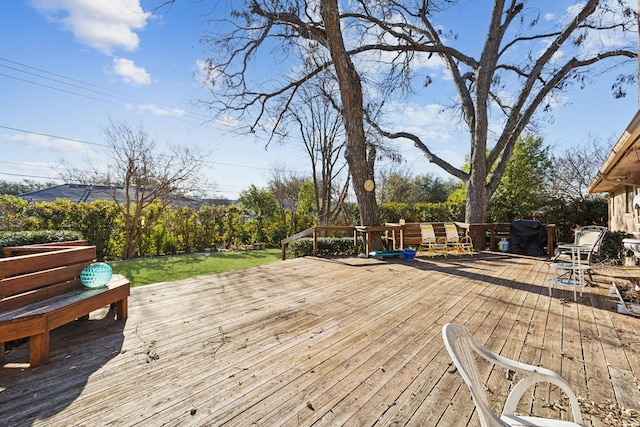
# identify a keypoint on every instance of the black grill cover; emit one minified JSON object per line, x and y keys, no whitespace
{"x":527,"y":237}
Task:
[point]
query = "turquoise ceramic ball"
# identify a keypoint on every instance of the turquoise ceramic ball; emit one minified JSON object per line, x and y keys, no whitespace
{"x":96,"y":275}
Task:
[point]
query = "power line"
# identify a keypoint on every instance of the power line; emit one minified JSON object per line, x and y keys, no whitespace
{"x":53,"y":136}
{"x":30,"y":176}
{"x":79,"y":84}
{"x":206,"y":162}
{"x":25,"y":164}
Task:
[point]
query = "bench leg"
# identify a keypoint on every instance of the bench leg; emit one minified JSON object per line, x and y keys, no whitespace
{"x":39,"y":349}
{"x":1,"y":353}
{"x":122,"y":309}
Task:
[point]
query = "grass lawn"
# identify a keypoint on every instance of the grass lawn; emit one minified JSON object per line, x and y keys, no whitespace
{"x":164,"y":269}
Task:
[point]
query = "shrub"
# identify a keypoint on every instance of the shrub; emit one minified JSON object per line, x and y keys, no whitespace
{"x":326,"y":246}
{"x":434,"y":212}
{"x":612,"y":250}
{"x":21,"y":238}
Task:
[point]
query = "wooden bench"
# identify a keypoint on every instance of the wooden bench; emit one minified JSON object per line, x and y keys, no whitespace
{"x":40,"y":290}
{"x":411,"y":234}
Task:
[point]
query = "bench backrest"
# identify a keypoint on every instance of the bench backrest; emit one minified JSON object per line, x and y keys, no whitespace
{"x":50,"y":271}
{"x":413,"y":234}
{"x":40,"y":247}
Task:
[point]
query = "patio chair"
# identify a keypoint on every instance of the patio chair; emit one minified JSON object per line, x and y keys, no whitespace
{"x":432,"y":245}
{"x":462,"y":346}
{"x":457,"y":245}
{"x":590,"y":237}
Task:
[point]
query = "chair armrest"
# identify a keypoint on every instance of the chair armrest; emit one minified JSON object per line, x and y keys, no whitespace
{"x":532,"y":375}
{"x":533,"y":378}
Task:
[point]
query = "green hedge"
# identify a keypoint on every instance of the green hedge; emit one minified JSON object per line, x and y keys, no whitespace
{"x":326,"y":246}
{"x":612,"y":250}
{"x":21,"y":238}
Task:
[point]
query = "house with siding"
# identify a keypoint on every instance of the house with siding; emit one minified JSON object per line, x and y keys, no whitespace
{"x":619,"y":177}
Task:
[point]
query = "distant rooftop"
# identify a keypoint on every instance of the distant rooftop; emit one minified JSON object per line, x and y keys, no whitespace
{"x":88,"y":193}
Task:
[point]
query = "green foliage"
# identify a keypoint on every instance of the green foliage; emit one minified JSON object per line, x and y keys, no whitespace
{"x":403,"y":188}
{"x":421,"y":212}
{"x":12,"y":213}
{"x":307,"y":197}
{"x":21,"y":238}
{"x":569,"y":214}
{"x":182,"y":226}
{"x":435,"y":212}
{"x":433,"y":189}
{"x":234,"y":234}
{"x":186,"y":230}
{"x":335,"y":246}
{"x":26,"y":186}
{"x":261,"y":205}
{"x":523,"y":188}
{"x":99,"y":223}
{"x":612,"y":250}
{"x":209,"y":224}
{"x":393,"y":211}
{"x":351,"y":213}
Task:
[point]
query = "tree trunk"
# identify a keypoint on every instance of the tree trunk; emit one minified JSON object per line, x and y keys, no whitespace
{"x":356,"y":154}
{"x":477,"y":195}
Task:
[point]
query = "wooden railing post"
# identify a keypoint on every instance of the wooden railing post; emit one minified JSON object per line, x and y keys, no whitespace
{"x":315,"y":242}
{"x":355,"y":240}
{"x":551,"y":239}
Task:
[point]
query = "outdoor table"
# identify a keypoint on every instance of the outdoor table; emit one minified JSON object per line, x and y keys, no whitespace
{"x":570,"y":274}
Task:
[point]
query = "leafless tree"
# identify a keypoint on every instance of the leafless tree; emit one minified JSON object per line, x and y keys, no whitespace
{"x":376,"y":46}
{"x":140,"y":176}
{"x":321,"y":128}
{"x":575,"y":169}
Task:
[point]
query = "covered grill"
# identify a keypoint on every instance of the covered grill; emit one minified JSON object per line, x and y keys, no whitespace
{"x":527,"y":237}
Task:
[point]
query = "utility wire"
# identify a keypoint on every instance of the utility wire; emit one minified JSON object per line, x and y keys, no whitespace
{"x":206,"y":162}
{"x":105,"y":92}
{"x":53,"y":136}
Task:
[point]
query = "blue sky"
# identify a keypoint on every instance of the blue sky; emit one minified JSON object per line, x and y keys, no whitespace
{"x":69,"y":66}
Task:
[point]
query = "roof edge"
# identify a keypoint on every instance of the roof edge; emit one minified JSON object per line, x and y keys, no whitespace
{"x":630,"y":135}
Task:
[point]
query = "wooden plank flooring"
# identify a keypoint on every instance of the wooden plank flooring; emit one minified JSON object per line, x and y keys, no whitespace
{"x":326,"y":342}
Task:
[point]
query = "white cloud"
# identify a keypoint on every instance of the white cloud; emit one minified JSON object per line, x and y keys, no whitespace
{"x":129,"y":72}
{"x":43,"y":142}
{"x":104,"y":25}
{"x":158,"y":111}
{"x":439,"y":129}
{"x":206,"y":74}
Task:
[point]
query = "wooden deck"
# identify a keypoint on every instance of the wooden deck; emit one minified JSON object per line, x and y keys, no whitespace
{"x":325,"y":342}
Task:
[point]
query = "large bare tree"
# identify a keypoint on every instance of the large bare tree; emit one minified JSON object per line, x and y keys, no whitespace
{"x":140,"y":175}
{"x":520,"y":68}
{"x":377,"y":46}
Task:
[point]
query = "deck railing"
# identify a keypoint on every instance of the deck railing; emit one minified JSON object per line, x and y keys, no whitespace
{"x":313,"y":231}
{"x":492,"y":232}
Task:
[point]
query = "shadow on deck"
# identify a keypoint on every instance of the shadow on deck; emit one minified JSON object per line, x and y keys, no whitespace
{"x":318,"y":341}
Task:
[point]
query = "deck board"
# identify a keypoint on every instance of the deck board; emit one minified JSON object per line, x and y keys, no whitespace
{"x":325,"y":342}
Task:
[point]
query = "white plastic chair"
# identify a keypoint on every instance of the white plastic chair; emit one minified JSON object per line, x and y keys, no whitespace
{"x":462,"y":348}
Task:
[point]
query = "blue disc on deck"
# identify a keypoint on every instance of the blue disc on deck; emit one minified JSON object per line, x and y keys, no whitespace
{"x":96,"y":275}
